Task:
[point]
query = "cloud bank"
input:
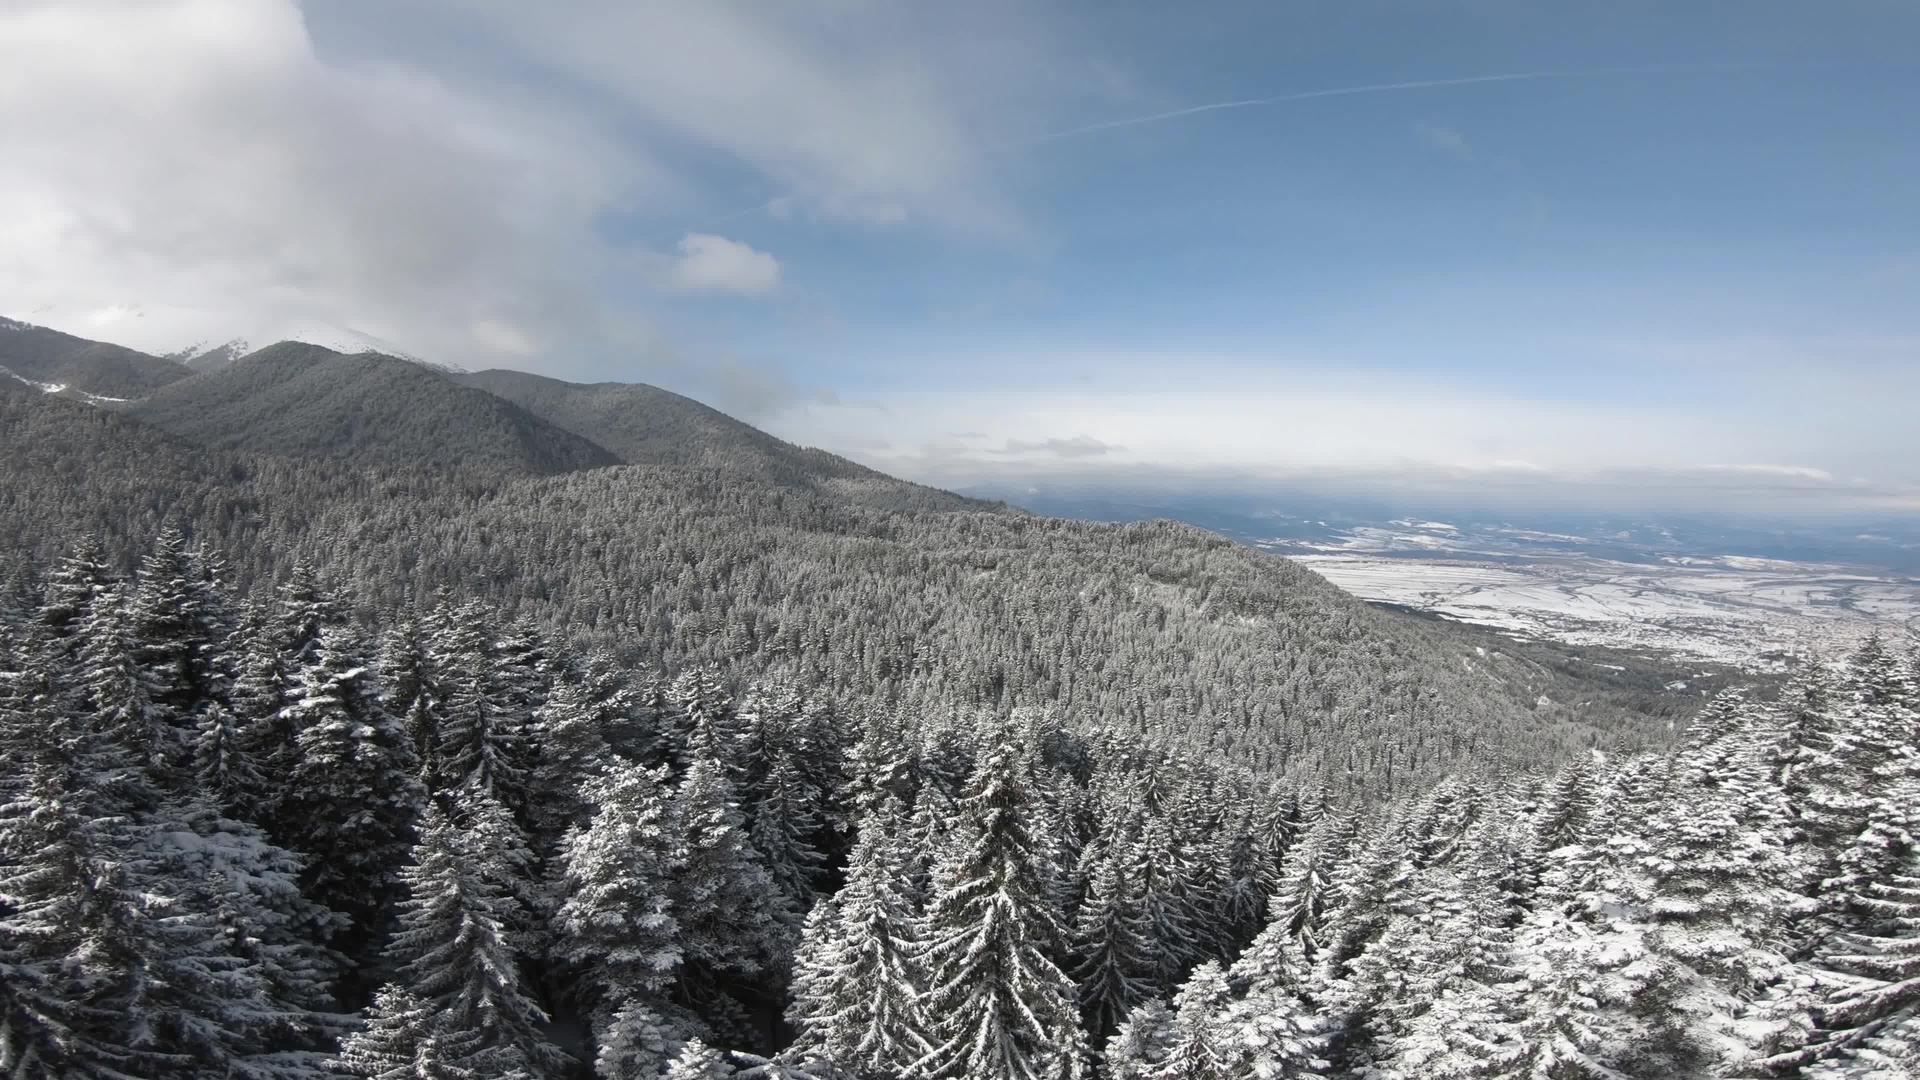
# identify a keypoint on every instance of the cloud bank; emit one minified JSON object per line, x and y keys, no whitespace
{"x":180,"y":171}
{"x":1357,"y":434}
{"x":716,"y":264}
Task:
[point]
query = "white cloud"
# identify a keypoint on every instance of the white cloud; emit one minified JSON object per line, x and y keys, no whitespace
{"x":1778,"y":472}
{"x":1444,"y":139}
{"x":195,"y":167}
{"x":857,"y":111}
{"x":210,"y":169}
{"x":504,"y":337}
{"x":1077,"y":446}
{"x":1364,"y":431}
{"x":716,"y":264}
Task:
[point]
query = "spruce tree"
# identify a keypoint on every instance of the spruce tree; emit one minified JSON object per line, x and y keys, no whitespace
{"x":1201,"y":1046}
{"x":411,"y":685}
{"x":1139,"y":1047}
{"x":703,"y":720}
{"x":180,"y":623}
{"x":1115,"y":962}
{"x":223,"y":766}
{"x":734,"y":929}
{"x":572,"y":724}
{"x":698,"y":1061}
{"x":351,"y":799}
{"x":615,"y":927}
{"x":1865,"y":1018}
{"x":999,"y":1007}
{"x":1306,"y":894}
{"x":264,"y":685}
{"x":457,"y":949}
{"x":858,"y":1004}
{"x":403,"y":1039}
{"x":119,"y":693}
{"x":785,"y":815}
{"x":116,"y":957}
{"x":70,"y":590}
{"x":1276,"y":1033}
{"x":484,"y":730}
{"x":635,"y":1044}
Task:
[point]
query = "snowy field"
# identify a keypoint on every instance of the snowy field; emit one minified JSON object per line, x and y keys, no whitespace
{"x":1745,"y":611}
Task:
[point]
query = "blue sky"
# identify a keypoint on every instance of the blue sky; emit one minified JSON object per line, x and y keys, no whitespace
{"x":1653,"y":238}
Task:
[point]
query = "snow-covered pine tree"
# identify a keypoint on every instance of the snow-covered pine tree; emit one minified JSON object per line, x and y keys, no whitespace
{"x":702,"y":719}
{"x":302,"y":608}
{"x":735,"y":934}
{"x":1594,"y":1002}
{"x":1364,"y":895}
{"x":1115,"y":962}
{"x":264,"y":682}
{"x":113,"y":959}
{"x":1157,"y":880}
{"x":785,"y":815}
{"x":485,"y":727}
{"x":1239,"y":896}
{"x":1447,"y":938}
{"x":1201,"y":1045}
{"x":857,"y":1006}
{"x":351,"y":799}
{"x":180,"y":622}
{"x":698,"y":1061}
{"x":1804,"y":721}
{"x":1863,"y":1016}
{"x":523,"y":670}
{"x":1140,"y":1045}
{"x":70,"y":590}
{"x":635,"y":1044}
{"x":456,"y":949}
{"x":1275,"y":1034}
{"x":223,"y":767}
{"x":880,"y":763}
{"x":119,"y":693}
{"x":410,"y":685}
{"x":614,"y":927}
{"x":1714,"y":875}
{"x":1000,"y":1009}
{"x":1309,"y":878}
{"x":572,"y":725}
{"x":1278,"y":821}
{"x":403,"y":1038}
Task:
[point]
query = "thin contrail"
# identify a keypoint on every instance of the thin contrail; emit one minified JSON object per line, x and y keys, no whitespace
{"x":1352,"y":91}
{"x":1329,"y":92}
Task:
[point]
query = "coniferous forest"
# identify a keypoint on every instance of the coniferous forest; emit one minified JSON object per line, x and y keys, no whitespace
{"x":272,"y":835}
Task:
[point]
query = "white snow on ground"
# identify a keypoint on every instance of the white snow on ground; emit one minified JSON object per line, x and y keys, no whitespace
{"x":1752,"y":612}
{"x":61,"y":388}
{"x":47,"y":388}
{"x":341,"y":339}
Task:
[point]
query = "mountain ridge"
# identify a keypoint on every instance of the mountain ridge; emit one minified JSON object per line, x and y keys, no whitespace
{"x":646,"y":425}
{"x":299,"y":398}
{"x":53,"y":359}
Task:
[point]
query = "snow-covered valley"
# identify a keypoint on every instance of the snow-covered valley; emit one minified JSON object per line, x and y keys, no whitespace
{"x":1729,"y":609}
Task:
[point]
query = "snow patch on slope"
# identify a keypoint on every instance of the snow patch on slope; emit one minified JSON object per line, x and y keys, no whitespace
{"x":63,"y":390}
{"x":341,"y":339}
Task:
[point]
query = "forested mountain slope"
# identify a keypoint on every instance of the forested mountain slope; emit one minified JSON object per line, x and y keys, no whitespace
{"x":291,"y":837}
{"x":646,"y":425}
{"x":52,"y":358}
{"x":1161,"y":629}
{"x":296,"y":398}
